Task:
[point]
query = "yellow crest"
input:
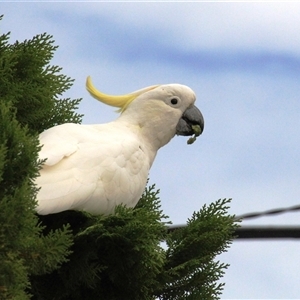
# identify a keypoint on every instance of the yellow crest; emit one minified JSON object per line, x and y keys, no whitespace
{"x":121,"y":101}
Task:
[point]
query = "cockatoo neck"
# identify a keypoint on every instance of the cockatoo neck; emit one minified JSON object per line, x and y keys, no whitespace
{"x":155,"y":124}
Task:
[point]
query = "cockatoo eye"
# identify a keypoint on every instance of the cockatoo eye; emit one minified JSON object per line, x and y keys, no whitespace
{"x":174,"y":101}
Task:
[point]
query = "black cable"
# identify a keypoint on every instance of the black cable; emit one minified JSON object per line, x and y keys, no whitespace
{"x":275,"y":211}
{"x":262,"y":232}
{"x":259,"y":232}
{"x":267,"y":232}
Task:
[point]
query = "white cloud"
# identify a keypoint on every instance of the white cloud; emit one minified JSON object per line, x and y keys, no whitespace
{"x":194,"y":25}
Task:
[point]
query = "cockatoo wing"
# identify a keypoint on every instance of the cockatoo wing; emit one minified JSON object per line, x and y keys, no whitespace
{"x":91,"y":168}
{"x":57,"y":143}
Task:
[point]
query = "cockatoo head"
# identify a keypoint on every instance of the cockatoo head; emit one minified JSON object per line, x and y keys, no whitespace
{"x":163,"y":110}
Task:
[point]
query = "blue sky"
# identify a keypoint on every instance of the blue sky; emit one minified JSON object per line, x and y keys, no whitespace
{"x":243,"y":62}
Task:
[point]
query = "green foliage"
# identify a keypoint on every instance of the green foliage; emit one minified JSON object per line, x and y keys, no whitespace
{"x":122,"y":256}
{"x":190,"y":269}
{"x":74,"y":255}
{"x":115,"y":257}
{"x":29,"y":91}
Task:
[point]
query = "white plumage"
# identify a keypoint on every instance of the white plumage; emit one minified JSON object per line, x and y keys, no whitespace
{"x":96,"y":167}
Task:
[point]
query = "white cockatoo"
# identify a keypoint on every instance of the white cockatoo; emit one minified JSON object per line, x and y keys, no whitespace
{"x":94,"y":168}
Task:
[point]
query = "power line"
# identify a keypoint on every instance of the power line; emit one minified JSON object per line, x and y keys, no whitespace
{"x":262,"y":232}
{"x":268,"y":232}
{"x":270,"y":212}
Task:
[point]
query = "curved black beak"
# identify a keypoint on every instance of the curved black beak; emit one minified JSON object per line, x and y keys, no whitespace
{"x":192,"y":116}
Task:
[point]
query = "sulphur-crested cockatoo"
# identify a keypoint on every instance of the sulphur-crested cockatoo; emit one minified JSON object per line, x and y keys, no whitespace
{"x":96,"y":167}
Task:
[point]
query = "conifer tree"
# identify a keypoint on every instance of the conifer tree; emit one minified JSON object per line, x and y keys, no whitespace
{"x":74,"y":255}
{"x":29,"y":103}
